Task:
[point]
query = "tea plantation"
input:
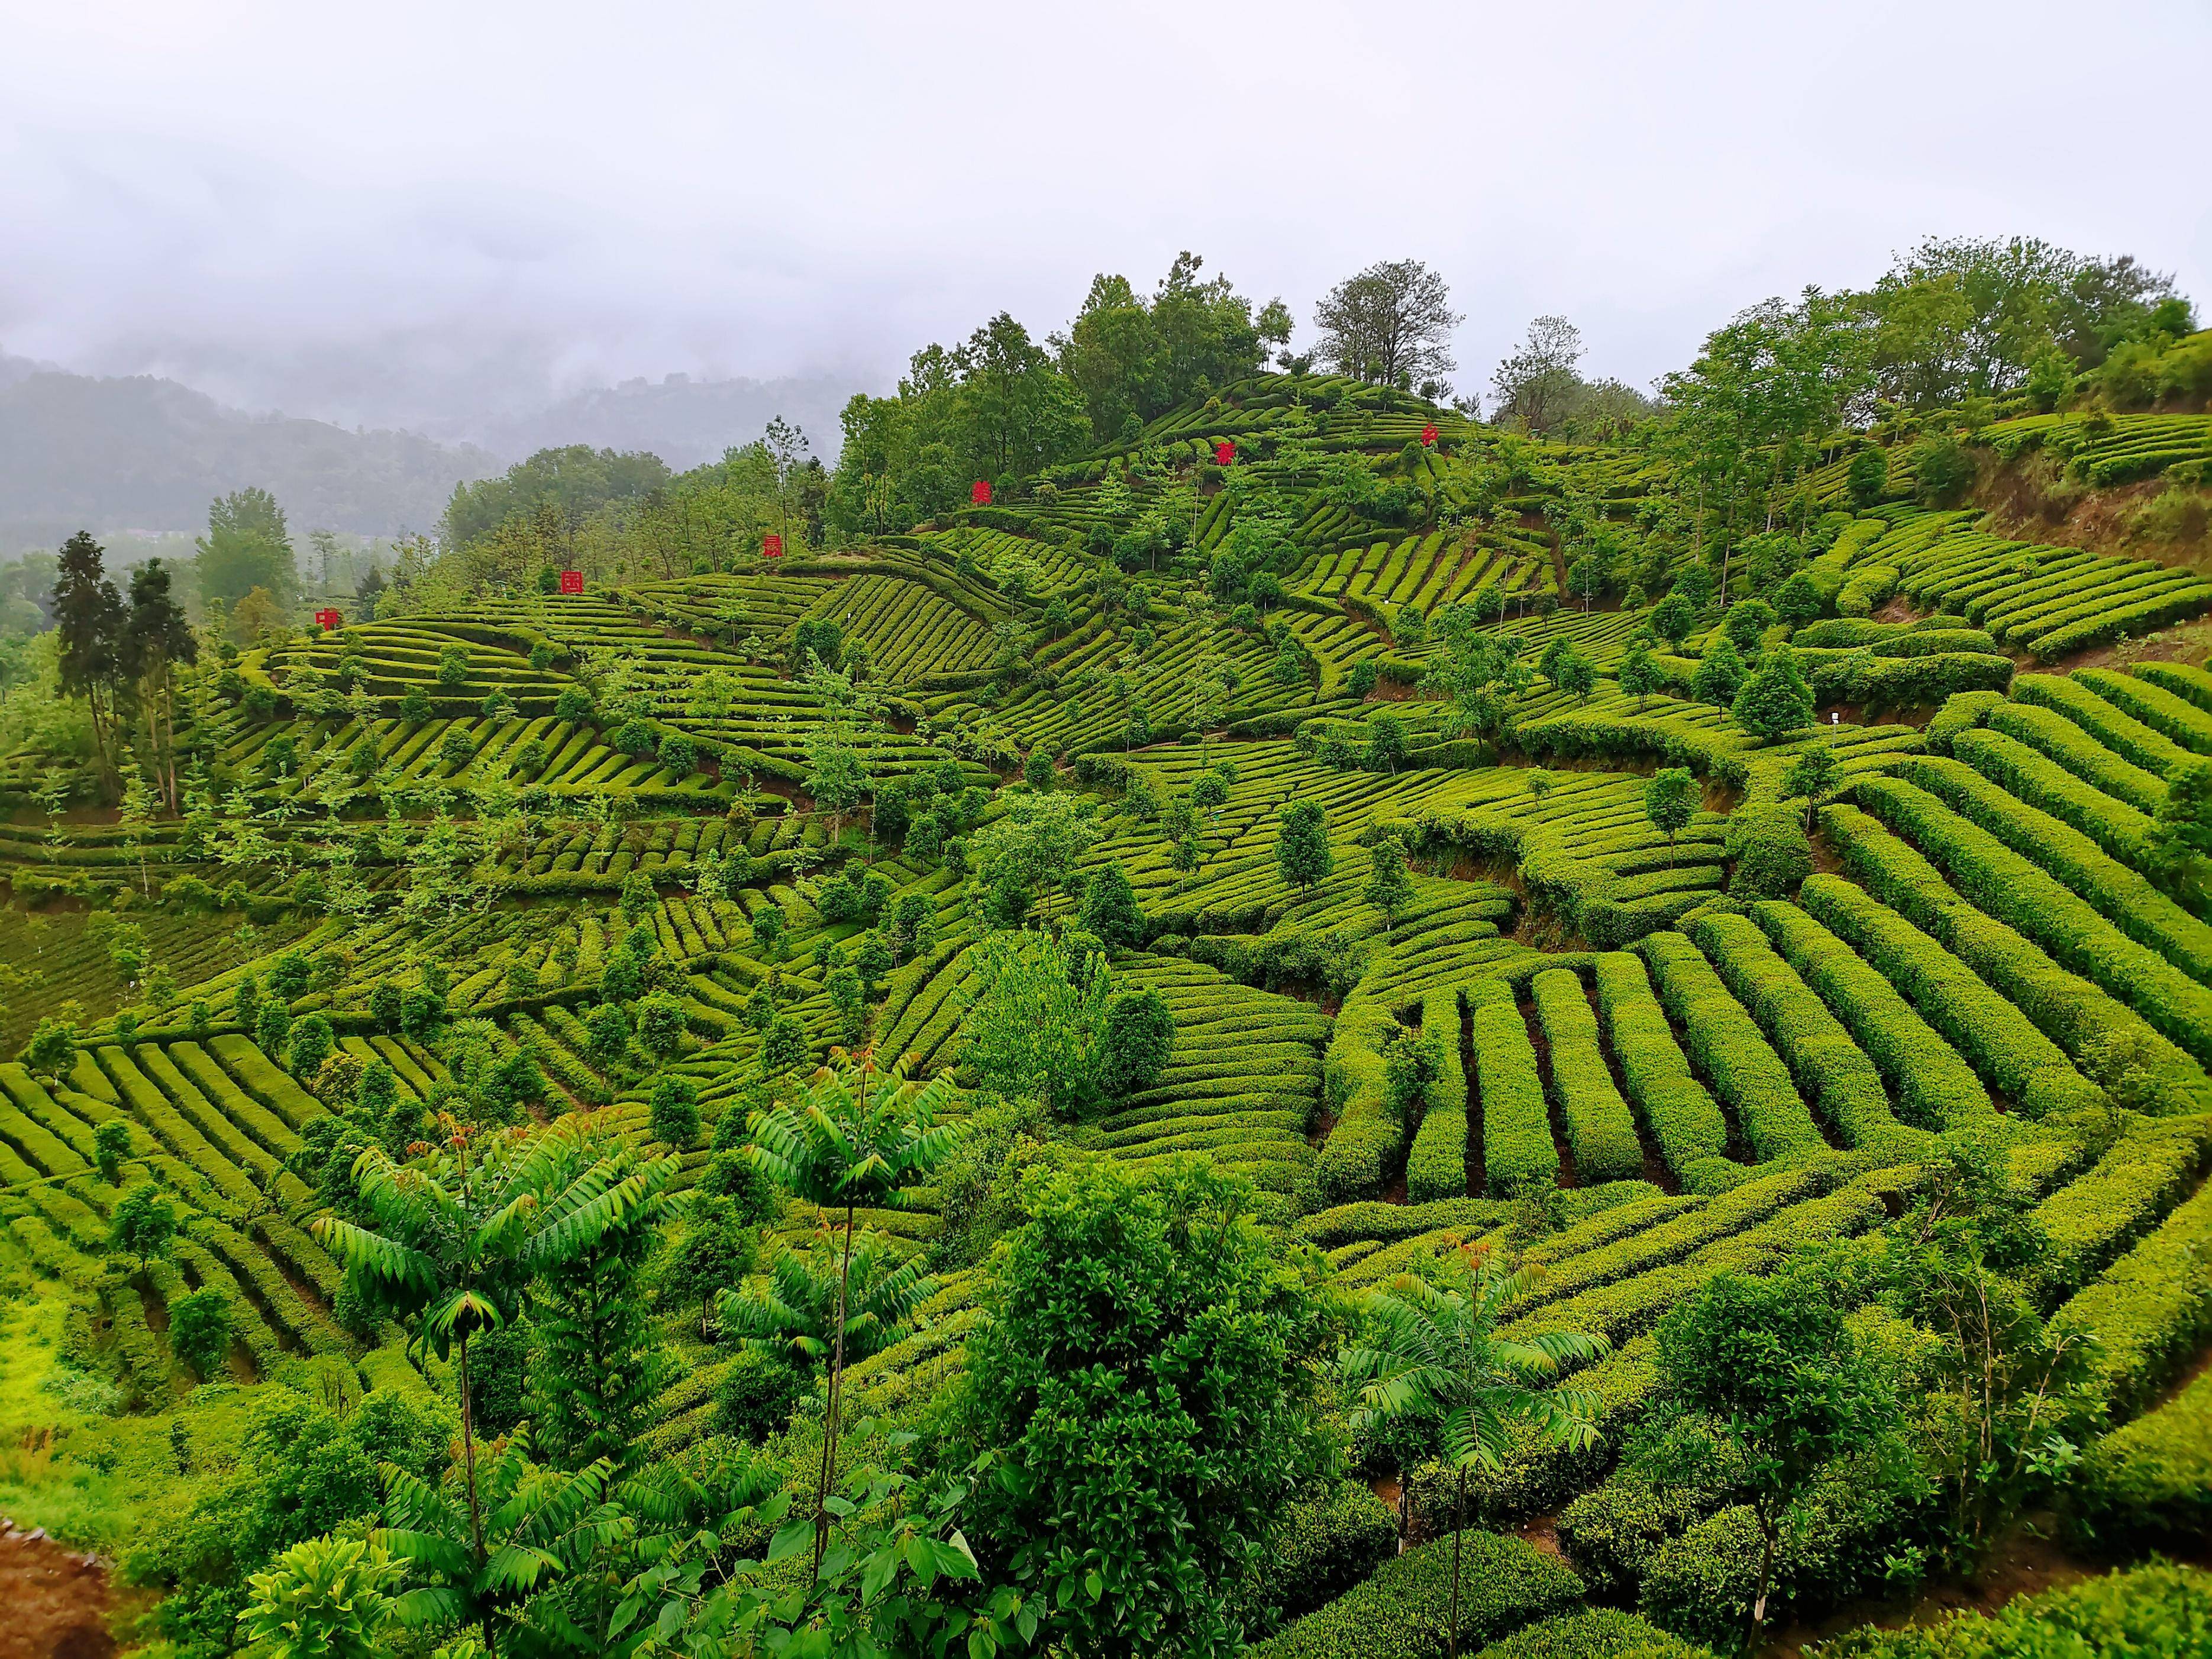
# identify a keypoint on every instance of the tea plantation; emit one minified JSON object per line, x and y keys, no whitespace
{"x":1430,"y":853}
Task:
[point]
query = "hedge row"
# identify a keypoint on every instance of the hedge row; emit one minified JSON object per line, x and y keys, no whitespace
{"x":2004,"y":1046}
{"x":1403,"y":1611}
{"x":2193,"y":685}
{"x":2080,"y":754}
{"x":1691,"y":1134}
{"x":2173,"y":606}
{"x":1898,"y":682}
{"x":1933,"y":1087}
{"x":1363,"y":1148}
{"x":2148,"y":1485}
{"x":2123,"y":1196}
{"x":2151,"y":1311}
{"x":2120,"y":894}
{"x":1600,"y":1130}
{"x":2043,"y":784}
{"x":2122,"y":733}
{"x":1962,"y":711}
{"x":2159,"y":1611}
{"x":1324,"y":1545}
{"x":1743,"y":1069}
{"x":1603,"y":1634}
{"x":1517,"y":1148}
{"x":1830,"y":1069}
{"x":1375,"y":1220}
{"x":1437,"y":1167}
{"x":2172,"y":716}
{"x":2081,"y":1018}
{"x":2018,"y":891}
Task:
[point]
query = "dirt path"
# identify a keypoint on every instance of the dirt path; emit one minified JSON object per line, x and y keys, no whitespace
{"x":58,"y":1601}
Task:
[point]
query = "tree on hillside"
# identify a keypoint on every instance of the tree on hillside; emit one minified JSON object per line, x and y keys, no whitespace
{"x":1761,"y":1384}
{"x":1810,"y":774}
{"x":1149,"y":1380}
{"x":1966,"y":316}
{"x":1133,"y":358}
{"x":1389,"y":885}
{"x":597,"y":1369}
{"x":1533,"y":386}
{"x":143,"y":1224}
{"x":156,"y":640}
{"x":90,"y":620}
{"x":1431,"y":1350}
{"x":1033,"y":1020}
{"x":1670,"y":801}
{"x":570,"y":483}
{"x":246,"y":546}
{"x":1751,"y":411}
{"x":1302,"y":849}
{"x":1389,"y":325}
{"x":1775,"y":701}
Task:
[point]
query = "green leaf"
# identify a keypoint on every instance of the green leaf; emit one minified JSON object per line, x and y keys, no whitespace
{"x":1094,"y":1583}
{"x":790,"y":1539}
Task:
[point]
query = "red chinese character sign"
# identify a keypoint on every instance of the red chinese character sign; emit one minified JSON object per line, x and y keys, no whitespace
{"x":329,"y":621}
{"x":1223,"y":452}
{"x":772,"y":545}
{"x":1428,"y":435}
{"x":981,"y":494}
{"x":572,"y":581}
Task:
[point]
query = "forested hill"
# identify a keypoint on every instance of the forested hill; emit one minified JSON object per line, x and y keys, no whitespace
{"x":79,"y":451}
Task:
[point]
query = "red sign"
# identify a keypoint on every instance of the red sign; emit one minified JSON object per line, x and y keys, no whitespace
{"x":329,"y":621}
{"x":772,"y":545}
{"x":1223,"y":452}
{"x":981,"y":494}
{"x":1428,"y":435}
{"x":572,"y":581}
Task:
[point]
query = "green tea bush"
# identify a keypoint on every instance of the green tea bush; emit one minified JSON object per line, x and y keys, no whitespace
{"x":1604,"y":1634}
{"x":2158,"y":1611}
{"x":1682,"y":1116}
{"x":1402,"y":1611}
{"x":1324,"y":1544}
{"x":1518,"y":1149}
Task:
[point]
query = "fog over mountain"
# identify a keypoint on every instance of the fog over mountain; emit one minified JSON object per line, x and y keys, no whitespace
{"x":146,"y":451}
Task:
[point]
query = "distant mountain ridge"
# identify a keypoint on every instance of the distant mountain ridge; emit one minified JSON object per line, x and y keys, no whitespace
{"x":683,"y":420}
{"x":85,"y":451}
{"x":107,"y":453}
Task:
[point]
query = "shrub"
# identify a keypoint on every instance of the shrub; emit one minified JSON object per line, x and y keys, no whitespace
{"x":1604,"y":1634}
{"x":1600,"y":1131}
{"x":1518,"y":1149}
{"x":1769,"y":850}
{"x":2158,"y":1611}
{"x":1324,"y":1544}
{"x":1437,"y":1166}
{"x":1401,"y":1612}
{"x":2148,"y":1485}
{"x":1692,"y":1136}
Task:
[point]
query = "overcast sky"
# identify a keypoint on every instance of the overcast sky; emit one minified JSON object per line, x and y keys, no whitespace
{"x":359,"y":211}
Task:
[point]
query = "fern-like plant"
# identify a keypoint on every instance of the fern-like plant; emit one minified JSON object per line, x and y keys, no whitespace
{"x":857,"y":1139}
{"x":455,"y":1237}
{"x":1432,"y":1349}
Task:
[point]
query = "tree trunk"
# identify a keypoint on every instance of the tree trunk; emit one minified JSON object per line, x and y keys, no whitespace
{"x":1765,"y":1570}
{"x":1459,"y":1532}
{"x":476,"y":1513}
{"x":829,"y":1418}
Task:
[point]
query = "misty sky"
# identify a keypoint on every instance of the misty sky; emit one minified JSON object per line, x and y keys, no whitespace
{"x":384,"y":212}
